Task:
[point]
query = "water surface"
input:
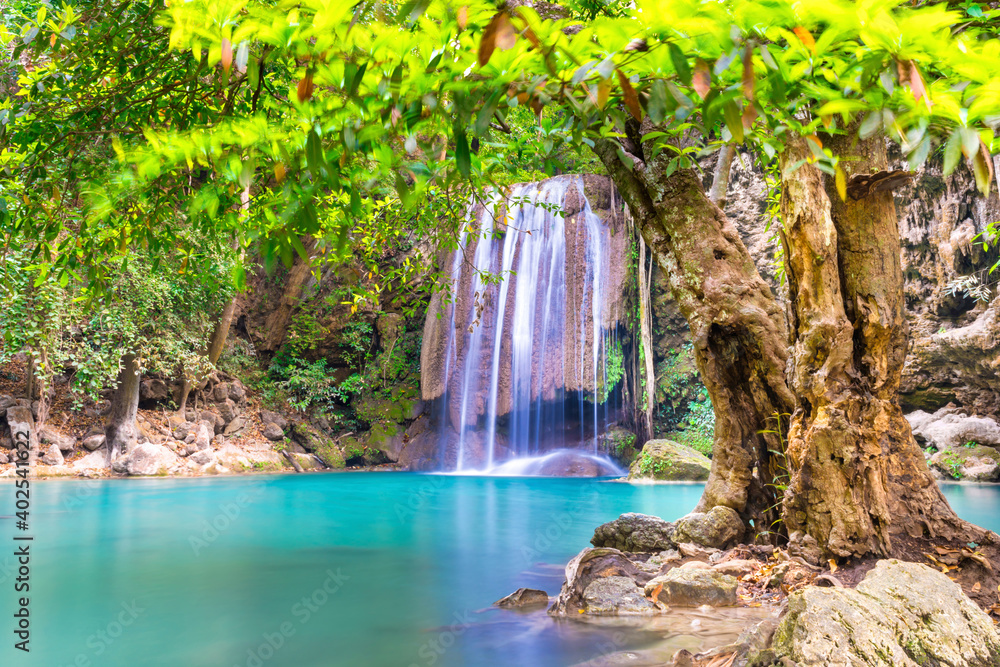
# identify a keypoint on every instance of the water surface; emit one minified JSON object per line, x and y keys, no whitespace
{"x":364,"y":569}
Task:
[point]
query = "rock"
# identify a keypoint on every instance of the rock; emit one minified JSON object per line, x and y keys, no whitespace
{"x":949,"y":429}
{"x":720,"y":527}
{"x":319,"y":444}
{"x":21,"y":424}
{"x":269,"y":417}
{"x":669,"y":461}
{"x":636,"y":533}
{"x":232,"y":457}
{"x":610,"y":596}
{"x":588,"y":566}
{"x":387,"y":439}
{"x":50,"y":436}
{"x":691,"y":550}
{"x":93,"y":442}
{"x":273,"y":432}
{"x":228,"y":411}
{"x":693,"y":587}
{"x":183,"y":428}
{"x":203,"y":434}
{"x":7,"y":401}
{"x":52,"y":456}
{"x":524,"y":597}
{"x":237,"y":392}
{"x":91,"y":461}
{"x":220,"y":392}
{"x":148,"y":460}
{"x":900,"y":615}
{"x":154,"y":389}
{"x":234,"y":426}
{"x":737,"y":567}
{"x":978,"y":463}
{"x":421,"y":449}
{"x":3,"y":458}
{"x":619,"y":444}
{"x":202,"y":457}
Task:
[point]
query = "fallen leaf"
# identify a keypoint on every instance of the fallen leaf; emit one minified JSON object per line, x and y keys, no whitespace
{"x":833,"y":565}
{"x":975,"y":587}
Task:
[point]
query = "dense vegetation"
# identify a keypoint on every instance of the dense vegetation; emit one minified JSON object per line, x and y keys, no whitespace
{"x":187,"y":138}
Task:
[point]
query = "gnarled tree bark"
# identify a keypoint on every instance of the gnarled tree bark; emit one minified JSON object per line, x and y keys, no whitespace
{"x":737,"y":327}
{"x":857,"y":477}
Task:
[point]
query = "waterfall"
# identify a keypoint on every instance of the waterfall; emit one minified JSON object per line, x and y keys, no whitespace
{"x":519,"y":349}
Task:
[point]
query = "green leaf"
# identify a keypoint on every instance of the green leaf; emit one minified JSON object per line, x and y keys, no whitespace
{"x":734,"y":121}
{"x":952,"y":152}
{"x":463,"y":158}
{"x":870,"y":125}
{"x":680,"y":62}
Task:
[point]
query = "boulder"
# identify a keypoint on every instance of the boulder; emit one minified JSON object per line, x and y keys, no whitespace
{"x":228,"y":411}
{"x":218,"y":423}
{"x":619,"y":444}
{"x":315,"y":441}
{"x":586,"y":567}
{"x":635,"y":532}
{"x":51,"y":436}
{"x":21,"y":424}
{"x":235,"y":426}
{"x":693,"y":587}
{"x":524,"y":597}
{"x":900,"y":615}
{"x":234,"y":458}
{"x":611,"y":596}
{"x":269,"y":417}
{"x":52,"y":456}
{"x":667,"y":460}
{"x":154,"y":389}
{"x":7,"y":401}
{"x":91,"y":461}
{"x":3,"y":458}
{"x":202,"y":457}
{"x":736,"y":567}
{"x":204,"y":431}
{"x":220,"y":392}
{"x":94,"y":442}
{"x":387,"y":439}
{"x":978,"y":463}
{"x":719,"y":528}
{"x":273,"y":432}
{"x":950,"y":429}
{"x":237,"y":392}
{"x":147,"y":460}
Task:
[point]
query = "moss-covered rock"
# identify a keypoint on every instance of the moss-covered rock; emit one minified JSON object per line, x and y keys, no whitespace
{"x":619,"y":444}
{"x":669,"y":461}
{"x":977,"y":463}
{"x":317,"y":442}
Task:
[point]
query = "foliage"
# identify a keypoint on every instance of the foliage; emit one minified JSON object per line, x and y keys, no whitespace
{"x":326,"y":110}
{"x":697,"y":431}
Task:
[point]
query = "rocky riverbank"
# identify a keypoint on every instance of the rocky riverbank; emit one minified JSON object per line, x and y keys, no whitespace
{"x":793,"y":608}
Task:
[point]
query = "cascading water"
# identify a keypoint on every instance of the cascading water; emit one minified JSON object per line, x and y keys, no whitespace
{"x":536,"y":292}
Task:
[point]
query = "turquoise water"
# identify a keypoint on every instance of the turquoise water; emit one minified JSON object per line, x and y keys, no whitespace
{"x":370,"y":569}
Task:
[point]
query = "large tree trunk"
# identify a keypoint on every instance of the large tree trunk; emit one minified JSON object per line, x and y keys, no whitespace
{"x":120,"y":430}
{"x":858,"y":480}
{"x":737,"y":327}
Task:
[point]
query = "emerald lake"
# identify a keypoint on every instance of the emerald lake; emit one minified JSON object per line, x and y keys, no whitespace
{"x":367,"y":569}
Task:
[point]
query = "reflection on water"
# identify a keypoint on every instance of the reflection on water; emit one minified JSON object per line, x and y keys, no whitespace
{"x":340,"y":569}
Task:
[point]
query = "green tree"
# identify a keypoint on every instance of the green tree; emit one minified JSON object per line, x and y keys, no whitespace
{"x":333,"y":103}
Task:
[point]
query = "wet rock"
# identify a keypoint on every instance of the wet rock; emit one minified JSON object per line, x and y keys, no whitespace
{"x":524,"y":597}
{"x":693,"y":587}
{"x":147,"y":460}
{"x":52,"y":456}
{"x":900,"y":615}
{"x":636,"y":533}
{"x":610,"y":596}
{"x":588,"y":566}
{"x":667,"y":460}
{"x":720,"y":527}
{"x":273,"y":432}
{"x":93,"y":442}
{"x":51,"y":436}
